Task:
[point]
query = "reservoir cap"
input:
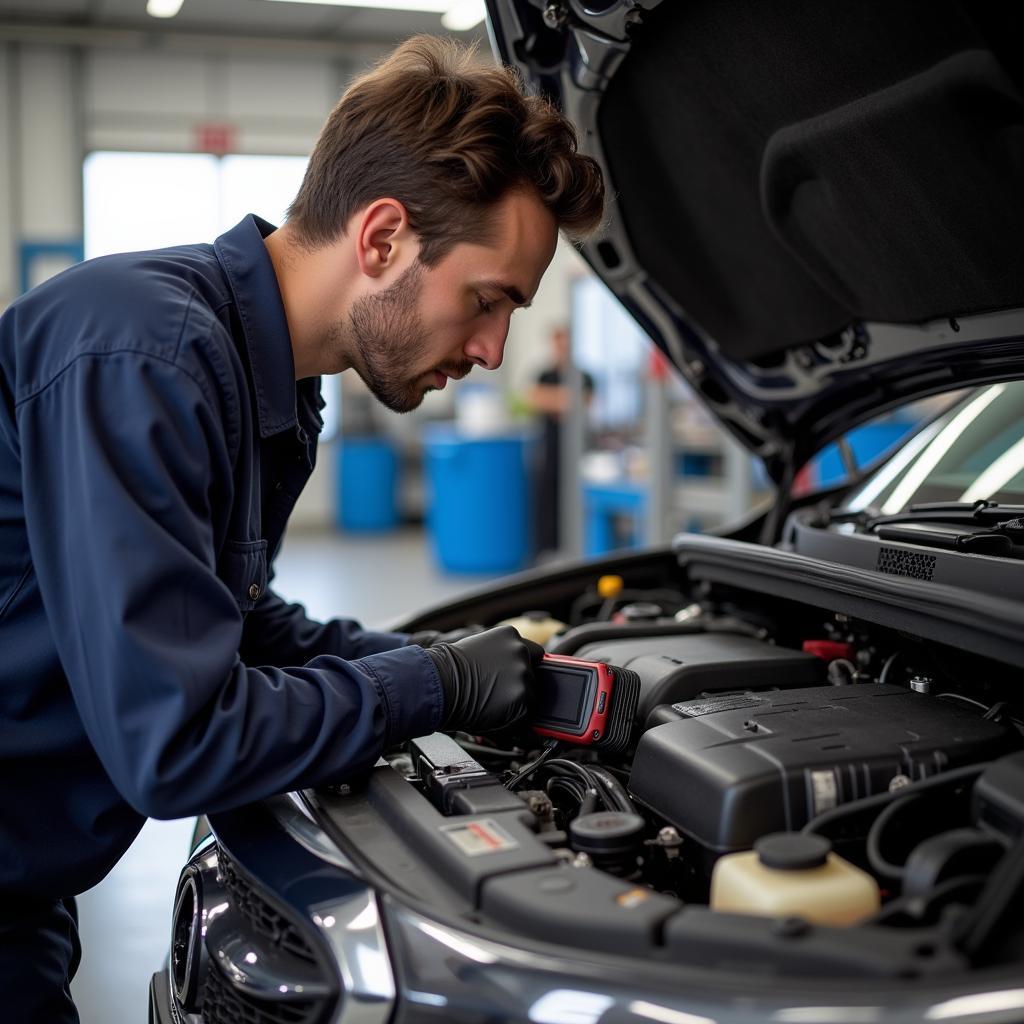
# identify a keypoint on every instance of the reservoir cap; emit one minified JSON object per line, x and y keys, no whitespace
{"x":792,"y":851}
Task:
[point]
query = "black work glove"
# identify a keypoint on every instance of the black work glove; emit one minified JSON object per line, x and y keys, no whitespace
{"x":429,"y":637}
{"x":487,"y":678}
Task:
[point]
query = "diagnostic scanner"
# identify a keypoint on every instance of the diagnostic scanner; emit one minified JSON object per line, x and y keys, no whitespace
{"x":587,"y":703}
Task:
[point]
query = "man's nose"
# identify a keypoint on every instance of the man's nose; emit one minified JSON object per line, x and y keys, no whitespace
{"x":487,"y":346}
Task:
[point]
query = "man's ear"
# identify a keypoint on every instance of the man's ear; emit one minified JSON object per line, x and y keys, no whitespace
{"x":382,"y":237}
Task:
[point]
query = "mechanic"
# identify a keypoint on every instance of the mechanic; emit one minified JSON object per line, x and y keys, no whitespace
{"x":158,"y":418}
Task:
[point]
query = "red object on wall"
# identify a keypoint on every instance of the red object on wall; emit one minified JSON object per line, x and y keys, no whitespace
{"x":215,"y":137}
{"x":657,"y":365}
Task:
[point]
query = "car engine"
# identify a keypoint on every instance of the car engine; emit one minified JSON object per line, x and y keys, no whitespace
{"x":779,"y":740}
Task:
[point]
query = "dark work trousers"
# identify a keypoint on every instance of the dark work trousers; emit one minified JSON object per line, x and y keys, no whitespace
{"x":39,"y":954}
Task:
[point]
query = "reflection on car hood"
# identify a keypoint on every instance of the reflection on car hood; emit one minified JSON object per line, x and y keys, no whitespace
{"x":817,"y":208}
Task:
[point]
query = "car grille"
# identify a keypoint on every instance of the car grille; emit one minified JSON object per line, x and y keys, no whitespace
{"x":223,"y":1004}
{"x":264,"y":918}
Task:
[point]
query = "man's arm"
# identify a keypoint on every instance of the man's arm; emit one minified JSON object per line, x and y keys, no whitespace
{"x":123,"y":454}
{"x":277,"y":632}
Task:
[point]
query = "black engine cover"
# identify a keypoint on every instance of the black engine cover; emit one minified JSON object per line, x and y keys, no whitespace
{"x":728,"y":770}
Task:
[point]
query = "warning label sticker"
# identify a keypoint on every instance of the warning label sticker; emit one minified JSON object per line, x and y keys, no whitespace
{"x":476,"y":838}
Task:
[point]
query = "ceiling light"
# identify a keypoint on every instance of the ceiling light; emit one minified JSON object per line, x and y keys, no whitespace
{"x":163,"y":8}
{"x":429,"y":6}
{"x":463,"y":15}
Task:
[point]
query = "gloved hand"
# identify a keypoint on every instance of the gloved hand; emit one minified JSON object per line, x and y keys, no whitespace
{"x":487,"y":678}
{"x":429,"y":637}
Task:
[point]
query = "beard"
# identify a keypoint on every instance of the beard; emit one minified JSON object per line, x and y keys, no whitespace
{"x":388,"y":337}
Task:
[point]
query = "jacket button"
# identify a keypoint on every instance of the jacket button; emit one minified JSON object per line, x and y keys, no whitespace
{"x":254,"y":592}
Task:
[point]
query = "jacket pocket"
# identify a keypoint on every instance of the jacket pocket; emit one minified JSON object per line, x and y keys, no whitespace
{"x":243,"y":567}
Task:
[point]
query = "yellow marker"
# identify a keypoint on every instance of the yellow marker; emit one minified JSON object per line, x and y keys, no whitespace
{"x":609,"y":586}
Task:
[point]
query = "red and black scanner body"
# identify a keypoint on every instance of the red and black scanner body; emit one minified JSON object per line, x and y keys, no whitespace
{"x":587,"y":703}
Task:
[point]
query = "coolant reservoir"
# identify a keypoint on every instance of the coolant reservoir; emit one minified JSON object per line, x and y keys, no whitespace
{"x":788,"y":873}
{"x":536,"y":626}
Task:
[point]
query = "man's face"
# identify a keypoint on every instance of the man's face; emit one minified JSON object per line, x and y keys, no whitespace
{"x":438,"y":322}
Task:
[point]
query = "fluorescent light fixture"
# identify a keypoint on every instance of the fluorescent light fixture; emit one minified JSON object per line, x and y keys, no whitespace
{"x":463,"y":15}
{"x":163,"y":8}
{"x":429,"y":6}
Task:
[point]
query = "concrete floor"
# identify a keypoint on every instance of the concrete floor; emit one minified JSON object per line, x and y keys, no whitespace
{"x":125,"y":920}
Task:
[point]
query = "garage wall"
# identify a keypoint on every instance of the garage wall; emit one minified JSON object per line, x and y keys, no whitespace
{"x":10,"y":217}
{"x":59,"y":102}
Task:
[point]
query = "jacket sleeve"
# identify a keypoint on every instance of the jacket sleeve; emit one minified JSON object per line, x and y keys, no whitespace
{"x":277,"y":632}
{"x":123,"y":454}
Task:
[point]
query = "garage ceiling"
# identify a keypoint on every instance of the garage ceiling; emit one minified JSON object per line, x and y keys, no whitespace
{"x":238,"y":17}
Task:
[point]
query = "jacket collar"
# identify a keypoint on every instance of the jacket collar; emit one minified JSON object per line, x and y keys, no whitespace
{"x":250,"y":273}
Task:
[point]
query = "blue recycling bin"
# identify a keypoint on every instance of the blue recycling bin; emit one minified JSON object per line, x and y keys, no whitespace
{"x":478,"y":495}
{"x":367,"y":483}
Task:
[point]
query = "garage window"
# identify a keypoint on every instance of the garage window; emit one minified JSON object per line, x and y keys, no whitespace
{"x":136,"y":201}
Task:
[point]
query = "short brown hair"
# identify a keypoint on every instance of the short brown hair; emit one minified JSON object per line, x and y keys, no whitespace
{"x":445,"y":134}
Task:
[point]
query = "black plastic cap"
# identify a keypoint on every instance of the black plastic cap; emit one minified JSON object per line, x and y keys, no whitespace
{"x":792,"y":851}
{"x":606,"y":832}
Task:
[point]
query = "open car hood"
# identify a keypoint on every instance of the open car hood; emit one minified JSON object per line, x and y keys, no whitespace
{"x":817,"y":209}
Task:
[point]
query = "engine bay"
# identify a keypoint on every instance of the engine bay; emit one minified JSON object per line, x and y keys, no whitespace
{"x":761,"y":761}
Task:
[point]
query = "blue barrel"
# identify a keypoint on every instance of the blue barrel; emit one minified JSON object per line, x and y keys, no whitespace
{"x":367,"y":480}
{"x":478,"y":496}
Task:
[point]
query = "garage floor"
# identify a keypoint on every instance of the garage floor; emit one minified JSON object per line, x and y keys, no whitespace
{"x":125,"y":919}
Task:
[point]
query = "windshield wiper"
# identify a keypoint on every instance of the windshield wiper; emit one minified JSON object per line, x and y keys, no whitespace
{"x":981,"y":527}
{"x":978,"y":513}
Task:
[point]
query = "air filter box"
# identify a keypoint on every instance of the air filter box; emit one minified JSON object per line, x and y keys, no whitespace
{"x":682,"y":667}
{"x":728,"y":770}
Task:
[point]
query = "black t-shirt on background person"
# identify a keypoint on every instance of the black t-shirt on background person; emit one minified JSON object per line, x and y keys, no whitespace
{"x":546,"y":496}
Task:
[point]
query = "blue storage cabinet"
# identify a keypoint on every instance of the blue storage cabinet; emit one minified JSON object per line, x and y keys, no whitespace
{"x":478,"y":500}
{"x":367,"y":484}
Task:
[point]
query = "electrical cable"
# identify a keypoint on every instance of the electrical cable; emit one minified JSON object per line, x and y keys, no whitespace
{"x":879,"y":864}
{"x":966,"y":700}
{"x":484,"y":750}
{"x":889,"y":662}
{"x":589,"y":802}
{"x":529,"y":769}
{"x":573,"y":787}
{"x":578,"y":771}
{"x":616,"y":791}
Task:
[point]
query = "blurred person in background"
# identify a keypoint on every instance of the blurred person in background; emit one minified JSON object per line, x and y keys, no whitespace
{"x":550,"y":398}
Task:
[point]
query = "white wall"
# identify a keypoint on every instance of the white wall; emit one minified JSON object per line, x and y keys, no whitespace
{"x":49,"y":148}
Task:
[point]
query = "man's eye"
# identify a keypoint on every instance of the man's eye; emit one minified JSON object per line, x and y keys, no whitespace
{"x":485,"y":306}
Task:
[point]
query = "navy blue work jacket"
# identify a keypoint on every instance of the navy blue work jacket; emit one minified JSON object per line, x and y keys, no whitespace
{"x":153,"y":442}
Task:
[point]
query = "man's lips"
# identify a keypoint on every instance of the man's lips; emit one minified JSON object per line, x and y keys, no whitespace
{"x":441,"y":377}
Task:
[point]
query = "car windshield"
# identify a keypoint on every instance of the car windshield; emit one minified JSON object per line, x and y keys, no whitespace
{"x":973,"y":451}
